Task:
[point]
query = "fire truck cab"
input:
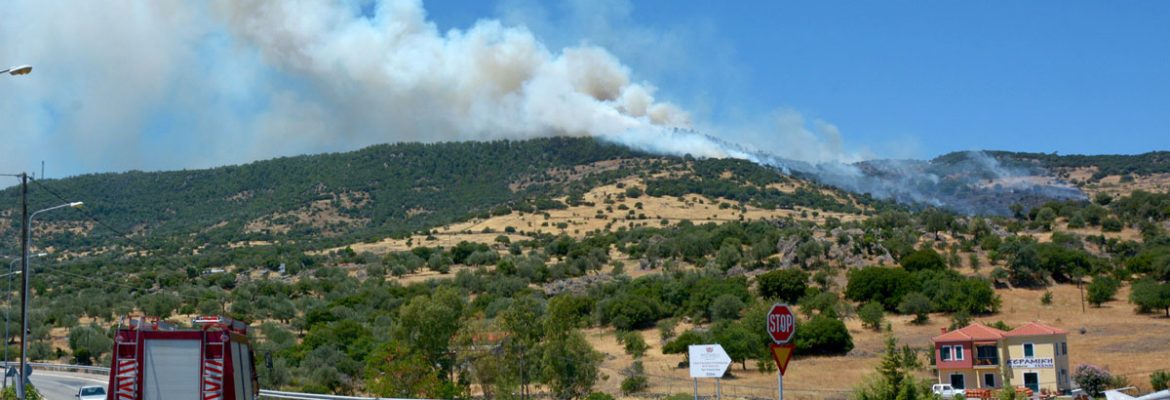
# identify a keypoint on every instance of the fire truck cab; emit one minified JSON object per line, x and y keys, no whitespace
{"x":154,"y":360}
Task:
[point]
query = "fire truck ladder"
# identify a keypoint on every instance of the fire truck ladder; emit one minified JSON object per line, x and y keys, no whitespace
{"x":212,"y":354}
{"x":126,"y":378}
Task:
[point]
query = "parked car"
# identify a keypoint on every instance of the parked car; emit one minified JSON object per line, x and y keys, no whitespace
{"x":91,"y":393}
{"x":946,"y":391}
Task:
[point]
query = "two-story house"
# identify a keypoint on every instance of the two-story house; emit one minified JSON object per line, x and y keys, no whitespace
{"x":1038,"y":357}
{"x":970,"y":357}
{"x":981,"y":357}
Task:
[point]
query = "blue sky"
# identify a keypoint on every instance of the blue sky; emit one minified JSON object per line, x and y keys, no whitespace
{"x":156,"y":85}
{"x":1067,"y":76}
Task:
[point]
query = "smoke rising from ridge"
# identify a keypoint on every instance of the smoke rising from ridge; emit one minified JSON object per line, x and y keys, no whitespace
{"x":394,"y":72}
{"x":167,"y":85}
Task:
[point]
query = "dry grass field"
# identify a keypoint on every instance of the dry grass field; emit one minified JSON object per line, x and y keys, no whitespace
{"x":1114,"y":336}
{"x":580,"y":220}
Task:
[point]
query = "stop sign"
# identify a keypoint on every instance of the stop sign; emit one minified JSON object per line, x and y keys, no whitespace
{"x":781,"y":323}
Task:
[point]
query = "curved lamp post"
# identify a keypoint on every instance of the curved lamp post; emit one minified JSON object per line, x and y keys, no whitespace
{"x":18,"y":70}
{"x":24,"y":296}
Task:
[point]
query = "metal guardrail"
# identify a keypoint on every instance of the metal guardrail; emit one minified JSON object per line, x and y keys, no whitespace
{"x":272,"y":394}
{"x":308,"y":396}
{"x":89,"y":369}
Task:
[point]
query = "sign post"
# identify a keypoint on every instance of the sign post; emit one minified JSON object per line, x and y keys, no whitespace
{"x":708,"y":361}
{"x":781,"y":326}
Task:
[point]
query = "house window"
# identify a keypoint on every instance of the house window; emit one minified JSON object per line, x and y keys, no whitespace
{"x":945,"y":353}
{"x":1029,"y":350}
{"x":989,"y":380}
{"x":1064,"y":348}
{"x":958,"y":381}
{"x":959,"y":352}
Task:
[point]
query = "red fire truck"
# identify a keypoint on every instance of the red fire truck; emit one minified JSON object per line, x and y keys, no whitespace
{"x":154,"y":360}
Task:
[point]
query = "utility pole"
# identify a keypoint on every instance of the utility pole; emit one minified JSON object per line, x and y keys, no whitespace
{"x":24,"y":230}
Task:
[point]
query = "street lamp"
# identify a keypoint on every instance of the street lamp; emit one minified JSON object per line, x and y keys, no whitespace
{"x":24,"y":295}
{"x":18,"y":70}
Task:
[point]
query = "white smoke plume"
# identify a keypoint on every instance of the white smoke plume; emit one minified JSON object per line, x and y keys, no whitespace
{"x":394,"y":76}
{"x":171,"y":84}
{"x":174,"y":84}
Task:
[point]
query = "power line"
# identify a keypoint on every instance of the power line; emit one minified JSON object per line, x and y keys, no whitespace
{"x":93,"y":218}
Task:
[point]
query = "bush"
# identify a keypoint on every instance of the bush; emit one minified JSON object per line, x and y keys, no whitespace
{"x":30,"y":393}
{"x":599,"y":396}
{"x":726,"y":307}
{"x":1092,"y":378}
{"x":666,"y":328}
{"x":925,"y":259}
{"x":633,"y":343}
{"x":1160,"y":380}
{"x":1111,"y":225}
{"x":1102,"y":290}
{"x":881,"y":284}
{"x":627,"y":311}
{"x":871,"y":315}
{"x":823,"y":335}
{"x":918,"y":304}
{"x":634,"y":384}
{"x":1047,"y":298}
{"x":787,"y":285}
{"x":960,"y":319}
{"x":1149,"y":295}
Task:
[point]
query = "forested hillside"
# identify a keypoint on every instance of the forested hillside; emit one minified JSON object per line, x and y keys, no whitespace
{"x":380,"y":190}
{"x":570,"y":267}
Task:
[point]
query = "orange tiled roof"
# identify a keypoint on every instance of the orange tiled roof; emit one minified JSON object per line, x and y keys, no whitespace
{"x":971,"y":332}
{"x":1036,"y":329}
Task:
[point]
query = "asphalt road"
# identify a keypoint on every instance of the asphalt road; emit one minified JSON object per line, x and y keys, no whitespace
{"x":63,"y":385}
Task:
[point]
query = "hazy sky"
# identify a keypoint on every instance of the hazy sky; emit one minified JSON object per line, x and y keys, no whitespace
{"x":170,"y":84}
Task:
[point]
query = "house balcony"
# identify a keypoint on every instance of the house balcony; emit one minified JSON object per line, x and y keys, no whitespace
{"x":986,"y":361}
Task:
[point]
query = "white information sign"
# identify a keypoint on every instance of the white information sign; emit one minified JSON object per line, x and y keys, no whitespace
{"x":708,"y":361}
{"x":1032,"y":363}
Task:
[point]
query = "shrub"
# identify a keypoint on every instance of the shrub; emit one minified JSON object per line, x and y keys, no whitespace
{"x":633,"y":343}
{"x":960,"y":319}
{"x":1092,"y":378}
{"x":871,"y":315}
{"x":30,"y":393}
{"x":1111,"y":225}
{"x":1047,"y":298}
{"x":627,"y":311}
{"x":666,"y":328}
{"x":823,"y":335}
{"x":1149,"y":295}
{"x":923,"y":259}
{"x":634,"y":384}
{"x":1102,"y":290}
{"x":785,"y":285}
{"x":881,"y":284}
{"x":599,"y":396}
{"x":635,"y":379}
{"x":1160,"y":380}
{"x":681,"y":343}
{"x":918,"y":304}
{"x":726,"y":307}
